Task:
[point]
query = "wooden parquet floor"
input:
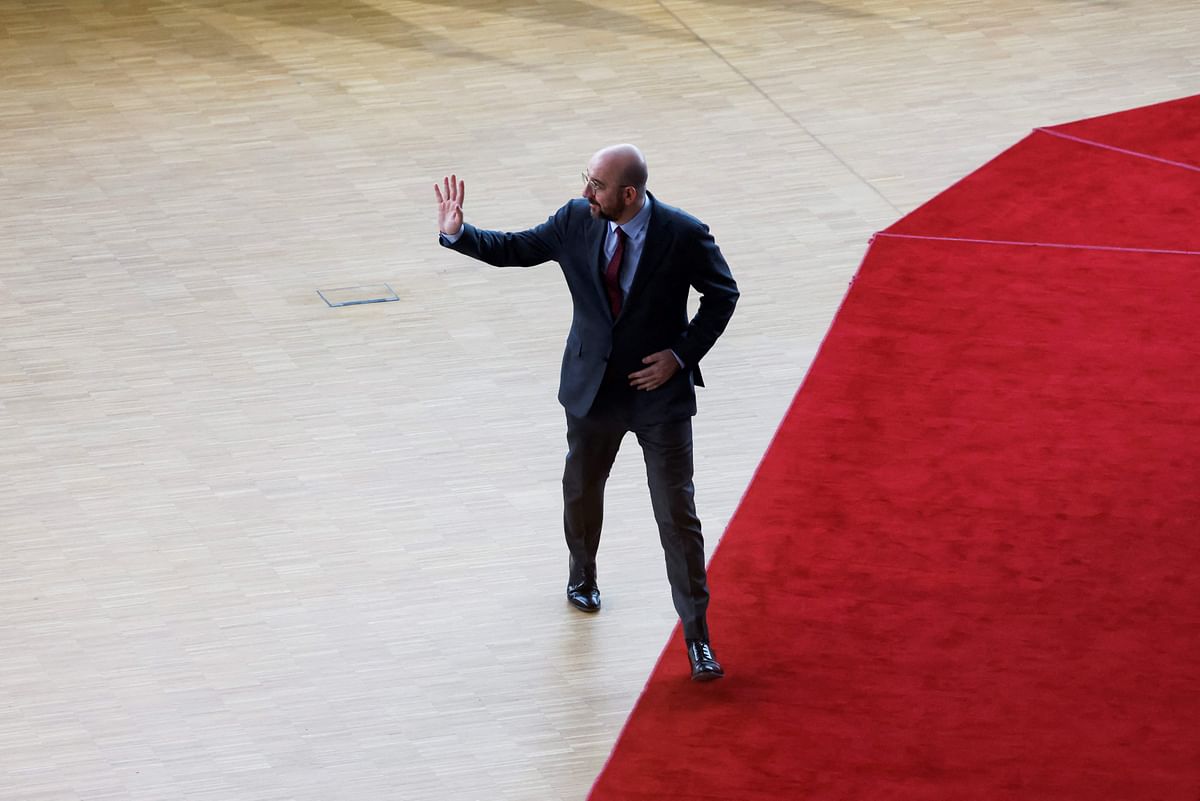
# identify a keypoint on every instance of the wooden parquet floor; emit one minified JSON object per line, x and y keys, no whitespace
{"x":260,"y":549}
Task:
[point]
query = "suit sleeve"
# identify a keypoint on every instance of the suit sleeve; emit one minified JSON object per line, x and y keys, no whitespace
{"x":513,"y":249}
{"x":710,"y":276}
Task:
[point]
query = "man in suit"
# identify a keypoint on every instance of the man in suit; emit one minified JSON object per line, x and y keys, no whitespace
{"x":631,"y":361}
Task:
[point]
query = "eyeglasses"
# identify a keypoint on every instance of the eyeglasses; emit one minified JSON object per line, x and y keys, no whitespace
{"x":597,"y":186}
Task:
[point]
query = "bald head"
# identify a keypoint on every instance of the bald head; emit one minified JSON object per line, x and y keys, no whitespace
{"x":625,"y":163}
{"x":615,"y":185}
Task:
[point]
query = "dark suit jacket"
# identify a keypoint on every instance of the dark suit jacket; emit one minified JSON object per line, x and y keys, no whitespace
{"x":679,"y":253}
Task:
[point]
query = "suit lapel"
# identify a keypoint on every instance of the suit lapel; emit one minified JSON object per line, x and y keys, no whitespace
{"x":658,"y":238}
{"x":595,"y":245}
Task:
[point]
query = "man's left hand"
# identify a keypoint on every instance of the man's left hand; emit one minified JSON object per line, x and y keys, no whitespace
{"x":662,"y":366}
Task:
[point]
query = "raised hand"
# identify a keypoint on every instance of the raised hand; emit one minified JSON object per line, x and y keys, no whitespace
{"x":450,"y":203}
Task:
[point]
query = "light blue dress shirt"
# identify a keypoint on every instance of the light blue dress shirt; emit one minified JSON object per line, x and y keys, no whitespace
{"x":635,"y":243}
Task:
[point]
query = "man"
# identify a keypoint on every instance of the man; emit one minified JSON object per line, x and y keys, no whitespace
{"x":631,"y":359}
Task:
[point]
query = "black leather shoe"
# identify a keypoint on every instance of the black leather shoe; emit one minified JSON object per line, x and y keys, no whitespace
{"x":584,"y":597}
{"x":705,"y":666}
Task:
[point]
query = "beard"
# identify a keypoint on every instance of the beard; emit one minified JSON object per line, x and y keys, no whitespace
{"x":610,"y":213}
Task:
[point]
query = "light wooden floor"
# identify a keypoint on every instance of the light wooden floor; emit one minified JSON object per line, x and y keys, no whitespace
{"x":258,"y":549}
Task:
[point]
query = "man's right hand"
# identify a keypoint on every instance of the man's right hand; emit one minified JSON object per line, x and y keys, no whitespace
{"x":450,"y":202}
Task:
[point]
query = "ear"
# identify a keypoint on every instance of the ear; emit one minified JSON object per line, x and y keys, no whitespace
{"x":629,"y":193}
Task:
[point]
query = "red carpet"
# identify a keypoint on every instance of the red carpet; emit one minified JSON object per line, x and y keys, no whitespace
{"x":966,"y":568}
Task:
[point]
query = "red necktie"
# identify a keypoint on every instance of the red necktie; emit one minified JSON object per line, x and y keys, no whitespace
{"x":612,"y":273}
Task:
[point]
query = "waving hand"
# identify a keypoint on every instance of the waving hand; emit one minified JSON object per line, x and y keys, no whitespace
{"x":450,"y":203}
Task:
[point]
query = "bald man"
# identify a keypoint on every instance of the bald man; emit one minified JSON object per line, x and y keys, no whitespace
{"x":631,"y":362}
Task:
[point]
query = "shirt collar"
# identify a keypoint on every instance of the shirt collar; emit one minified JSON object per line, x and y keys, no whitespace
{"x":637,"y":226}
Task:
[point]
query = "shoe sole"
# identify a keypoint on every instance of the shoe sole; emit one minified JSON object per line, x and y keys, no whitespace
{"x":707,"y":675}
{"x":591,"y":610}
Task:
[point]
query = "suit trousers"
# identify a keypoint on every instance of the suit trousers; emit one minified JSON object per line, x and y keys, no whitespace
{"x":592,"y":444}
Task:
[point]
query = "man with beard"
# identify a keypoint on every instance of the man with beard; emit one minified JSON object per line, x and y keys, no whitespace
{"x":631,"y":359}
